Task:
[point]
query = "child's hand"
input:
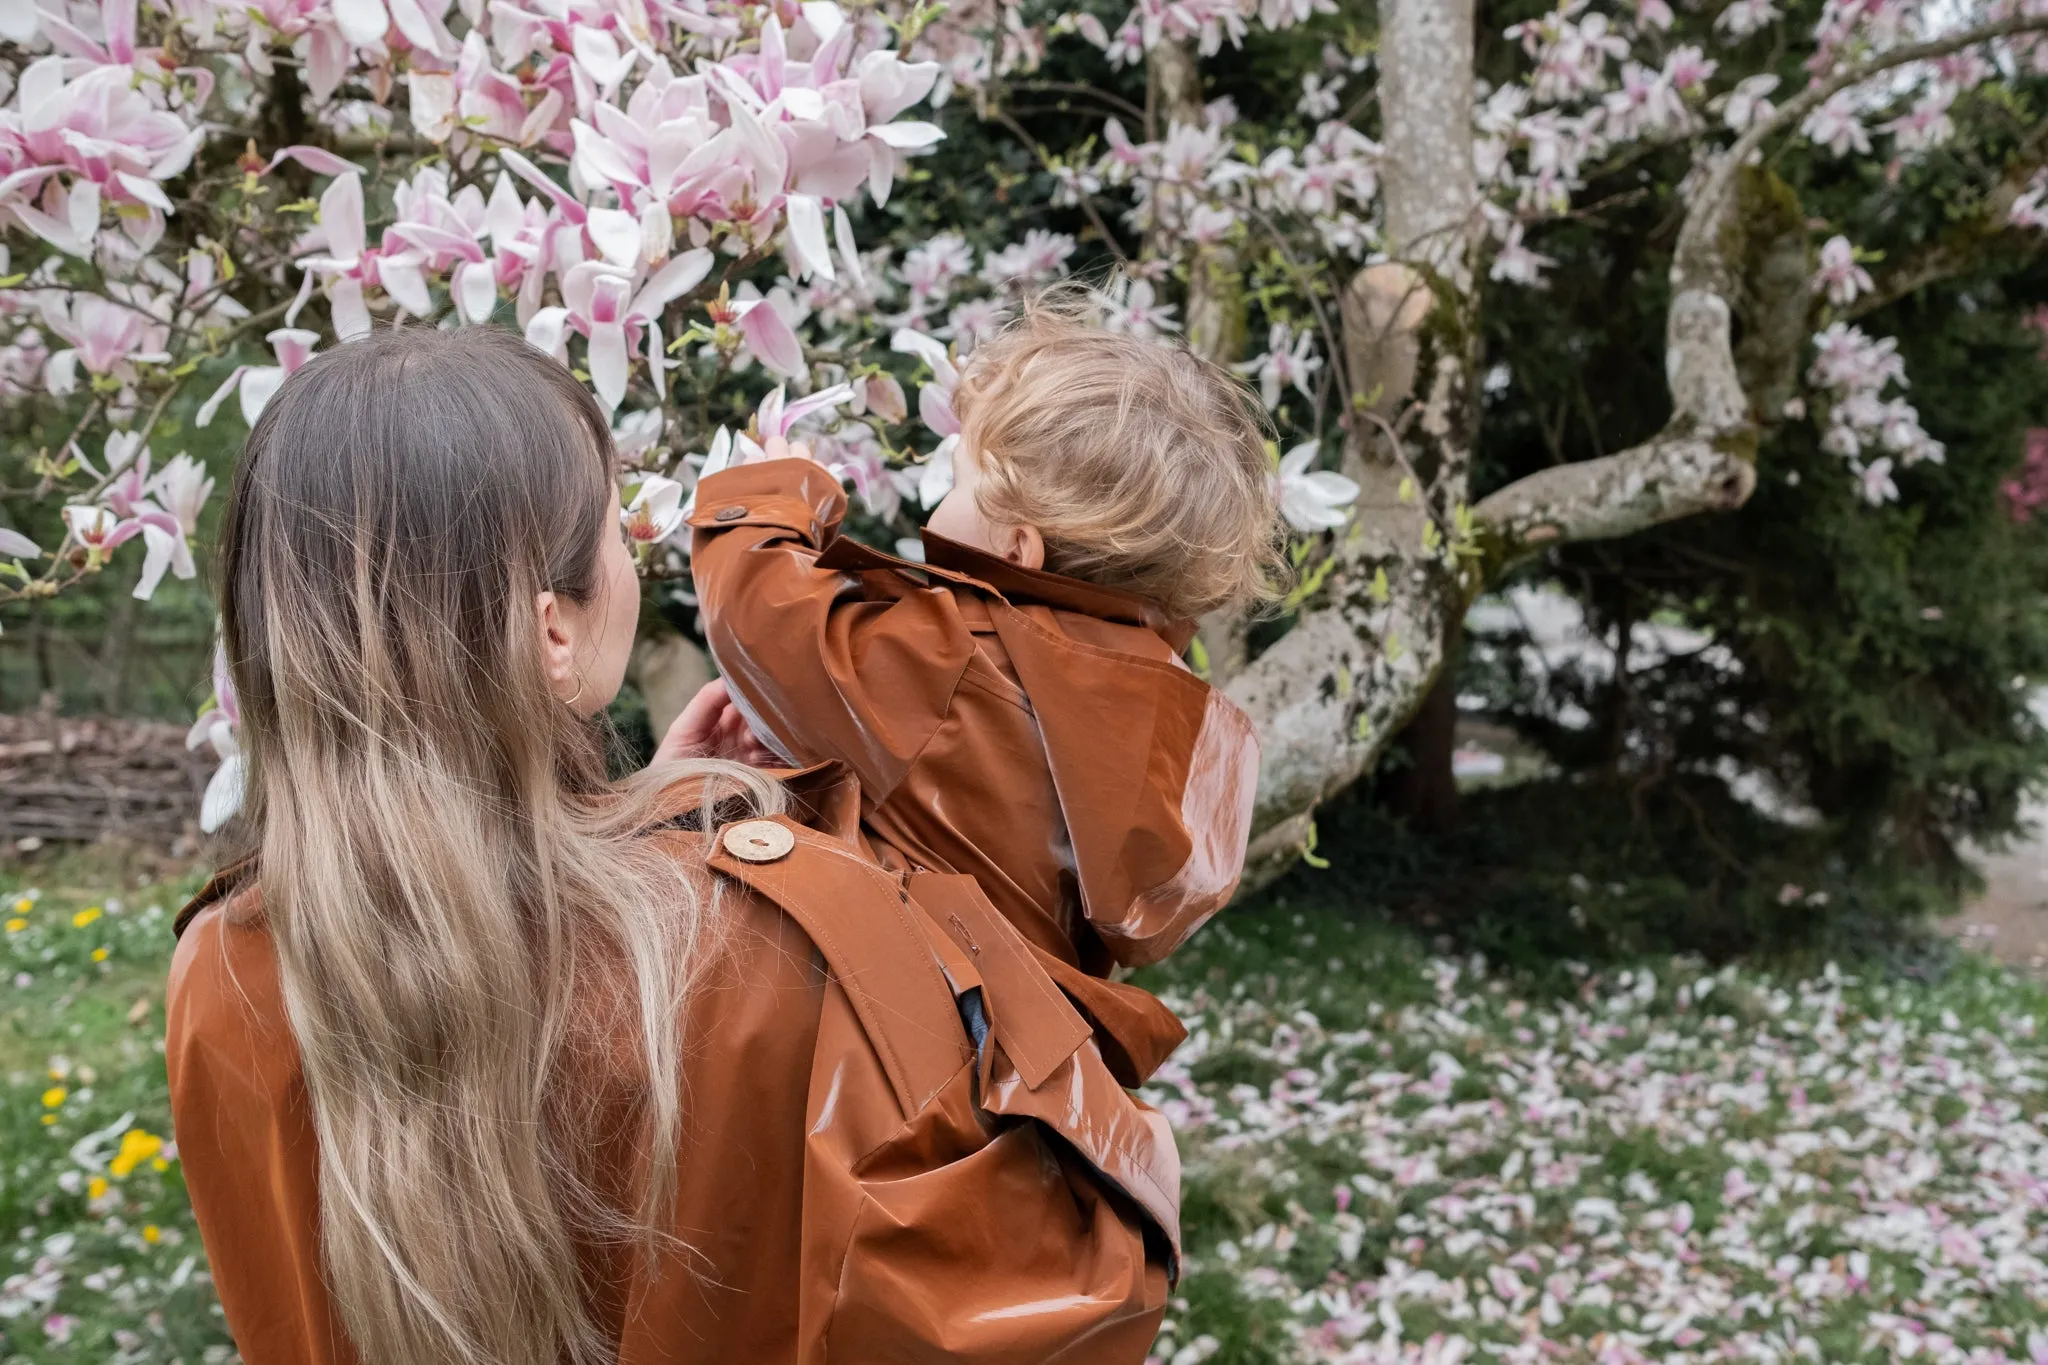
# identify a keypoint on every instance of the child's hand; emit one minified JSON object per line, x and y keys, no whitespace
{"x":712,"y":727}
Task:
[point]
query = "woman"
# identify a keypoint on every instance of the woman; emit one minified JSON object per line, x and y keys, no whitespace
{"x":480,"y":1057}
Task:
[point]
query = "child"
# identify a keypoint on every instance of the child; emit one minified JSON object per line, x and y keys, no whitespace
{"x":1015,"y":708}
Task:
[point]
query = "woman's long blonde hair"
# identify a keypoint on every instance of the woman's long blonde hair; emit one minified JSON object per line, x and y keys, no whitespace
{"x":465,"y":911}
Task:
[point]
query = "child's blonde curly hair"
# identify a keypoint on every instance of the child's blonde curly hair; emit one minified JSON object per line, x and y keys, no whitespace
{"x":1143,"y":466}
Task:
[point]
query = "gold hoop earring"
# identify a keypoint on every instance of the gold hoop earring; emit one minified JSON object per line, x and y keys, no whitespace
{"x":578,"y":692}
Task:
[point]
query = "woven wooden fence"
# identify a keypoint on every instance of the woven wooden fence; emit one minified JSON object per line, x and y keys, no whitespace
{"x":76,"y":780}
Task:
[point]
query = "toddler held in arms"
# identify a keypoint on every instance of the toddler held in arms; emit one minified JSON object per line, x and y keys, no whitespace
{"x":1015,"y":708}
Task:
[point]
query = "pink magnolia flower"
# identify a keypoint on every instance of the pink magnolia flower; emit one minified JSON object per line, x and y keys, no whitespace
{"x":1874,"y":482}
{"x":1311,"y":499}
{"x":219,"y":726}
{"x":1744,"y":17}
{"x":934,"y":400}
{"x":1839,"y":274}
{"x":1289,"y":360}
{"x":1131,"y":306}
{"x":112,"y":141}
{"x":1746,"y":103}
{"x":1836,"y":126}
{"x":613,"y":308}
{"x":293,"y":347}
{"x":655,"y":511}
{"x":107,"y":338}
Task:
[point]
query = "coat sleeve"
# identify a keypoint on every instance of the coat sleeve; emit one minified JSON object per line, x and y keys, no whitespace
{"x":821,"y":671}
{"x":245,"y":1142}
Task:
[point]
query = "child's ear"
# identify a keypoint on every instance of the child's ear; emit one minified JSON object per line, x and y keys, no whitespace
{"x":1024,"y":547}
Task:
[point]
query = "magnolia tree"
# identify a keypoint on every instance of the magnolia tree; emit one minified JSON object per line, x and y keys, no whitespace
{"x":690,"y":203}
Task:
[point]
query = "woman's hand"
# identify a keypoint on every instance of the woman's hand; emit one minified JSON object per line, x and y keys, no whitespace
{"x":712,"y":727}
{"x":782,"y":448}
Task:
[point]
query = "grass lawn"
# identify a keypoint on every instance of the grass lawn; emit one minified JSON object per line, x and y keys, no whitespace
{"x":1392,"y":1155}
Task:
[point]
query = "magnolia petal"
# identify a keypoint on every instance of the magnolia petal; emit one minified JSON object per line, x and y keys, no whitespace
{"x":825,"y":19}
{"x":769,"y":339}
{"x":935,"y":408}
{"x":476,"y":291}
{"x":117,"y":17}
{"x":60,"y":373}
{"x":1298,"y":459}
{"x":936,"y":478}
{"x":351,"y":314}
{"x":597,"y":52}
{"x":421,"y":28}
{"x":817,"y":402}
{"x":162,"y":550}
{"x":504,"y":213}
{"x":433,"y":104}
{"x":362,"y":22}
{"x":616,"y":235}
{"x":291,"y":314}
{"x":223,"y":798}
{"x":548,"y":330}
{"x":82,"y":208}
{"x":682,"y":274}
{"x":15,"y":545}
{"x":609,"y":360}
{"x":881,"y":172}
{"x":212,"y":405}
{"x":807,"y":235}
{"x":407,"y":286}
{"x":908,"y":136}
{"x":259,"y":386}
{"x":849,"y":250}
{"x":145,"y":190}
{"x":19,"y":20}
{"x":341,"y":217}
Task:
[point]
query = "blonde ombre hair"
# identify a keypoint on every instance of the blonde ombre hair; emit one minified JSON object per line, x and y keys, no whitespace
{"x":1142,"y":465}
{"x":478,"y":944}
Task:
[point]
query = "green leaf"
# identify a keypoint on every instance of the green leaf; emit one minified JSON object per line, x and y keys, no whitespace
{"x":1308,"y":850}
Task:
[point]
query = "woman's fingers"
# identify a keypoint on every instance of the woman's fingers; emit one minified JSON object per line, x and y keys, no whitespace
{"x":694,"y":733}
{"x":782,"y":448}
{"x":738,"y":742}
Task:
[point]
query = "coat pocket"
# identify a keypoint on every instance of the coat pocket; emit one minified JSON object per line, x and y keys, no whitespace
{"x":1011,"y":1255}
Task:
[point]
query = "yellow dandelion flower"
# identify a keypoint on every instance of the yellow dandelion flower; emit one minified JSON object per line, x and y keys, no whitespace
{"x":151,"y":1233}
{"x":16,"y":925}
{"x":86,"y":916}
{"x":23,"y":906}
{"x":54,"y":1096}
{"x":97,"y":1188}
{"x":99,"y":955}
{"x":49,"y":1119}
{"x":159,"y":1164}
{"x":136,"y":1148}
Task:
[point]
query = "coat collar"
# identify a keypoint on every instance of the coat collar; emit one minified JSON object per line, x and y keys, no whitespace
{"x":951,"y":560}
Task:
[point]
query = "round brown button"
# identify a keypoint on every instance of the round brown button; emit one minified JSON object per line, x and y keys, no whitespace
{"x":729,"y":514}
{"x":757,"y":841}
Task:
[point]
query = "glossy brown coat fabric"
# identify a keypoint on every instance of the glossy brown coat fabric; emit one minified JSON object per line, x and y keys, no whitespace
{"x":1034,"y":732}
{"x":855,"y":1182}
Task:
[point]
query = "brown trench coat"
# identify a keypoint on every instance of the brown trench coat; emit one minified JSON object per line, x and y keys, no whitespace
{"x":1032,"y":731}
{"x":857,"y":1182}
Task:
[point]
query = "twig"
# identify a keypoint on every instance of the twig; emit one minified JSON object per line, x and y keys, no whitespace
{"x":1004,"y":117}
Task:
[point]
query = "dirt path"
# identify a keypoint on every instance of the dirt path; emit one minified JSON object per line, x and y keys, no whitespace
{"x":2010,"y":920}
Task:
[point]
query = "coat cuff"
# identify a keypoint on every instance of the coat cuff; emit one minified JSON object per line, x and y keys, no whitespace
{"x":795,"y":495}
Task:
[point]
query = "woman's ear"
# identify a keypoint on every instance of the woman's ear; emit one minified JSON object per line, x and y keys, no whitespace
{"x":557,"y":644}
{"x":1024,"y":546}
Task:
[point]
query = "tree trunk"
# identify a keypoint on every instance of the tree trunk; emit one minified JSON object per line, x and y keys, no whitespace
{"x":1363,"y":657}
{"x":112,"y":671}
{"x":1423,"y":792}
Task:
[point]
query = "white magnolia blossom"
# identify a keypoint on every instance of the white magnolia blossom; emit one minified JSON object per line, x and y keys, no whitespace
{"x":1312,"y":499}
